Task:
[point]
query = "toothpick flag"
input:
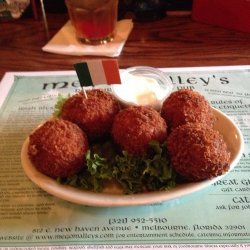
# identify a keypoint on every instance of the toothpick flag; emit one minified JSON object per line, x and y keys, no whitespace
{"x":94,"y":72}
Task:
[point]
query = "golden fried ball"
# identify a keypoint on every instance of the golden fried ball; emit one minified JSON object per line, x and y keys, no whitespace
{"x":185,"y":106}
{"x":94,"y":114}
{"x":134,"y":127}
{"x":197,"y":152}
{"x":57,"y":148}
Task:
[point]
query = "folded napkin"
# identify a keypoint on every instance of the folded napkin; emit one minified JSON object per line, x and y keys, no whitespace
{"x":65,"y":42}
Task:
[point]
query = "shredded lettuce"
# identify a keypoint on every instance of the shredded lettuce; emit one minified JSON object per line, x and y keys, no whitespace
{"x":97,"y":170}
{"x":147,"y":173}
{"x":135,"y":174}
{"x":59,"y":103}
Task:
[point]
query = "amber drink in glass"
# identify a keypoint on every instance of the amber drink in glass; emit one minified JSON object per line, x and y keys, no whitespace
{"x":94,"y":20}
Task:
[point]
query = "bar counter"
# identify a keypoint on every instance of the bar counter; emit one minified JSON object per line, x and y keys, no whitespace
{"x":175,"y":41}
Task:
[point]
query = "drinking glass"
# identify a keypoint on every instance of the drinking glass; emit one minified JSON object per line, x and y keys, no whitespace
{"x":94,"y":20}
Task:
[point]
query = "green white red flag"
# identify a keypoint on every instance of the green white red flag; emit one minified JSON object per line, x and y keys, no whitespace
{"x":95,"y":72}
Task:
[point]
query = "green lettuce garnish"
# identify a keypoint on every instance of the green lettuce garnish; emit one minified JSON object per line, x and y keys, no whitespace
{"x":147,"y":173}
{"x":59,"y":103}
{"x":135,"y":174}
{"x":97,"y":170}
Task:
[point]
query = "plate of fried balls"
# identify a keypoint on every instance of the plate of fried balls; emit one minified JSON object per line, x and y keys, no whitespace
{"x":200,"y":144}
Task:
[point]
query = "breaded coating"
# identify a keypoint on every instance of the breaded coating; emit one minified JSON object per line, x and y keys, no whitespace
{"x":197,"y":152}
{"x":185,"y":106}
{"x":135,"y":127}
{"x":57,"y":148}
{"x":94,"y":115}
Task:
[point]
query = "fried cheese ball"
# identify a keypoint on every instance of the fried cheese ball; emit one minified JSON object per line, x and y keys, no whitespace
{"x":134,"y":127}
{"x":197,"y":152}
{"x":57,"y":148}
{"x":185,"y":106}
{"x":94,"y":114}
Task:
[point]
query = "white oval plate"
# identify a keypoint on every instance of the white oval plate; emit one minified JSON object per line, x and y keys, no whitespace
{"x":113,"y":197}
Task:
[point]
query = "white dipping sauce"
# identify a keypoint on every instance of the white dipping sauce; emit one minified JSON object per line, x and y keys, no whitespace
{"x":140,"y":90}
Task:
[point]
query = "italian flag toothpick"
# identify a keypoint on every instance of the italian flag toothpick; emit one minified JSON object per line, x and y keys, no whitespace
{"x":94,"y":72}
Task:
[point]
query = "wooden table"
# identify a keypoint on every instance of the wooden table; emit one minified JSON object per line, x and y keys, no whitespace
{"x":170,"y":42}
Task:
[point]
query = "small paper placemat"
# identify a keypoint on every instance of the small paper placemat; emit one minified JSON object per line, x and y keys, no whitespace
{"x":65,"y":42}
